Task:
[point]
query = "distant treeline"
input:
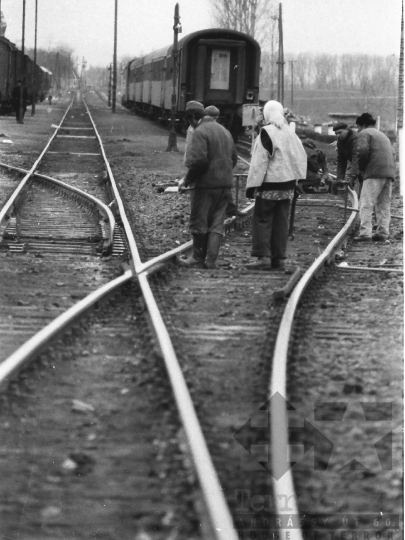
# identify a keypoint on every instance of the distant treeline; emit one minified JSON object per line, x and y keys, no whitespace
{"x":371,"y":75}
{"x":324,"y":83}
{"x":59,"y":61}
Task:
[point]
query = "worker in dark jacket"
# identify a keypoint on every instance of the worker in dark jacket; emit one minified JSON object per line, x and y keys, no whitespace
{"x":231,"y":209}
{"x":316,"y":162}
{"x":347,"y":168}
{"x":211,"y":159}
{"x":376,"y":162}
{"x":19,"y":105}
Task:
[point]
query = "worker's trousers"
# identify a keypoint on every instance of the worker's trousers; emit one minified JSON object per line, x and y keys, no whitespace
{"x":375,"y":195}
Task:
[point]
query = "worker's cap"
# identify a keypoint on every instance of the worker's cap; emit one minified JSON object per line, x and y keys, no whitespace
{"x":211,"y":110}
{"x":194,"y":106}
{"x":309,"y":142}
{"x":365,"y":120}
{"x":340,"y":125}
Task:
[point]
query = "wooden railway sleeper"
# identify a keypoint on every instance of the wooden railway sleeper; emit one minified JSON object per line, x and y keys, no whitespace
{"x":10,"y":231}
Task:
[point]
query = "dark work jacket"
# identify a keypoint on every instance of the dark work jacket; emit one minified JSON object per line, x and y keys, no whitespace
{"x":211,"y":157}
{"x":16,"y":95}
{"x":316,"y":160}
{"x":347,"y":151}
{"x":375,"y":154}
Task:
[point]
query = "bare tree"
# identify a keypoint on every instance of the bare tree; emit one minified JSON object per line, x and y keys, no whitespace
{"x":348,"y":71}
{"x":253,"y":17}
{"x":236,"y":14}
{"x":302,"y":69}
{"x":125,"y":59}
{"x":259,"y":19}
{"x":59,"y":61}
{"x":375,"y":80}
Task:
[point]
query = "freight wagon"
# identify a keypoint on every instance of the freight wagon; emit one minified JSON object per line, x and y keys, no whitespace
{"x":11,"y":60}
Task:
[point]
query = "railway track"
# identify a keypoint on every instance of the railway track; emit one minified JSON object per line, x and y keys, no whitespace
{"x":221,"y":326}
{"x":312,"y":237}
{"x":347,"y":322}
{"x":57,"y":230}
{"x":156,"y":511}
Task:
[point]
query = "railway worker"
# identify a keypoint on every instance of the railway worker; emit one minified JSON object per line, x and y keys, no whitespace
{"x":212,"y":111}
{"x":211,"y":158}
{"x":16,"y":99}
{"x":316,"y":162}
{"x":347,"y":168}
{"x":231,"y":209}
{"x":278,"y":162}
{"x":190,"y":130}
{"x":375,"y":157}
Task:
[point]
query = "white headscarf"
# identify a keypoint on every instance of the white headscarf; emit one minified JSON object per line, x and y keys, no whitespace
{"x":273,"y":113}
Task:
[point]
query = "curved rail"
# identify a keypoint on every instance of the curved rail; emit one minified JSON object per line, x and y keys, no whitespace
{"x":220,"y":519}
{"x":156,"y":263}
{"x":34,"y":346}
{"x":6,"y":210}
{"x":103,"y":208}
{"x":136,"y":262}
{"x":282,"y":478}
{"x":219,"y":514}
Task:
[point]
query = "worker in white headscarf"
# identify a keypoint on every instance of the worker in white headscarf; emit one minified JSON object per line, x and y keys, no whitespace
{"x":278,"y":162}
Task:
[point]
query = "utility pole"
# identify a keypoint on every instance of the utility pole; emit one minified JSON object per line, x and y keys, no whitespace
{"x":109,"y":86}
{"x":280,"y":63}
{"x":3,"y":24}
{"x":114,"y":88}
{"x":292,"y":62}
{"x":400,"y":120}
{"x":172,"y":146}
{"x":400,"y":110}
{"x":273,"y":34}
{"x":34,"y":77}
{"x":83,"y":77}
{"x":21,"y":104}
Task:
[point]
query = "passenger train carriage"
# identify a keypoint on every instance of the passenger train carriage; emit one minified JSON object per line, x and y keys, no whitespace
{"x":216,"y":67}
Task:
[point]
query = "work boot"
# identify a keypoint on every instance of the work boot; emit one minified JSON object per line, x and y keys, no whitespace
{"x":214,"y":243}
{"x":362,"y":239}
{"x":377,"y":237}
{"x":262,"y":263}
{"x":278,"y":263}
{"x":196,"y":259}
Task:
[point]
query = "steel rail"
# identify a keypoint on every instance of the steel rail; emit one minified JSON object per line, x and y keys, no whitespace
{"x":156,"y":263}
{"x":136,"y":262}
{"x":102,"y":207}
{"x":244,"y":160}
{"x":221,"y":520}
{"x":7,"y":208}
{"x":370,"y":269}
{"x":280,"y":455}
{"x":219,"y":515}
{"x":30,"y":350}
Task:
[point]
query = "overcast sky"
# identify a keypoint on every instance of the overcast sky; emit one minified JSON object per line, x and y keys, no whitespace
{"x":325,"y":26}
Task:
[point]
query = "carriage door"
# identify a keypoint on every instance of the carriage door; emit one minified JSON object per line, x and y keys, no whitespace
{"x":220,"y":69}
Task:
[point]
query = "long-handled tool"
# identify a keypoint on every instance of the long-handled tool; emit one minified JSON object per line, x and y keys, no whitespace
{"x":292,"y":214}
{"x":175,"y":189}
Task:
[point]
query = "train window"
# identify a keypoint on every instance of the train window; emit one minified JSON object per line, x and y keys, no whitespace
{"x":220,"y":63}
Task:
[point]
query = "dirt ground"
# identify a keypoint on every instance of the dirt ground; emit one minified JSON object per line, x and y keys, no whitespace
{"x":137,"y":152}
